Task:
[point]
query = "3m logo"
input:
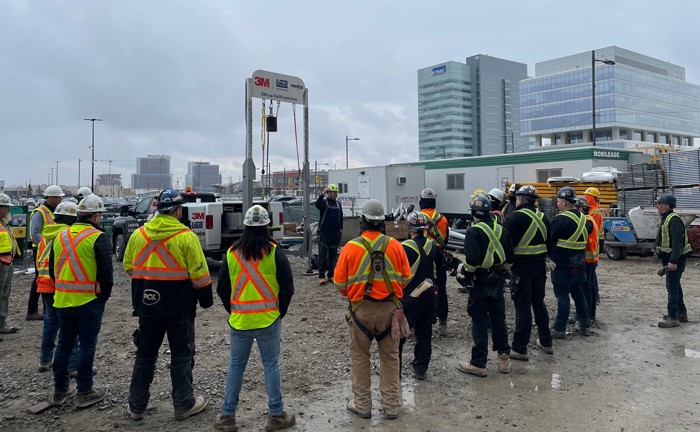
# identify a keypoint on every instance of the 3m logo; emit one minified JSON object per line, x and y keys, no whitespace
{"x":262,"y":82}
{"x":197,"y":216}
{"x":281,"y":83}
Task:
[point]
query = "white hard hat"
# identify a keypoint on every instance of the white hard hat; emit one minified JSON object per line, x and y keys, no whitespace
{"x":91,"y":204}
{"x":83,"y":192}
{"x":256,"y":216}
{"x":512,"y":188}
{"x":428,"y":193}
{"x":5,"y":200}
{"x":497,"y":193}
{"x":67,"y":208}
{"x":373,"y":210}
{"x":54,"y":191}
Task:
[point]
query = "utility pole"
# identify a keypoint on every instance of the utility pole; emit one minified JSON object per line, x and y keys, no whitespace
{"x":93,"y":120}
{"x":51,"y":176}
{"x":79,"y":173}
{"x":57,"y":171}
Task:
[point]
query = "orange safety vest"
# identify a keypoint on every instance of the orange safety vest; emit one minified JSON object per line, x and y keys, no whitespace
{"x":44,"y":283}
{"x":594,"y":211}
{"x":75,"y":266}
{"x":440,"y":224}
{"x":154,"y":252}
{"x":592,"y":250}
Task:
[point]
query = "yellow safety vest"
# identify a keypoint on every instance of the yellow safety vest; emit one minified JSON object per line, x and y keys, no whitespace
{"x":427,"y":247}
{"x":525,"y":247}
{"x":665,"y":246}
{"x":593,"y":246}
{"x":49,"y":233}
{"x":577,"y":241}
{"x":495,"y":247}
{"x":601,"y":231}
{"x":8,"y":244}
{"x":46,"y":213}
{"x":254,"y":291}
{"x":75,"y":266}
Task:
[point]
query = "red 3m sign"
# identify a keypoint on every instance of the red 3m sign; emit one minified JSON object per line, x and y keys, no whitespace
{"x":261,"y":82}
{"x":197,"y":216}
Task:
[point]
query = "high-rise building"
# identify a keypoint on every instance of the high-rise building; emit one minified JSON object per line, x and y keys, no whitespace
{"x":109,"y":180}
{"x":152,"y":173}
{"x":469,"y":109}
{"x":201,"y":176}
{"x":640,"y":100}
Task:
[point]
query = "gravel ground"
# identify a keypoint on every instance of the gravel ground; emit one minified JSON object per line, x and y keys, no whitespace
{"x":629,"y":375}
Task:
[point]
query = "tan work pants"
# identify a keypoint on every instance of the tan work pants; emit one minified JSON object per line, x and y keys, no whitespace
{"x":376,"y":317}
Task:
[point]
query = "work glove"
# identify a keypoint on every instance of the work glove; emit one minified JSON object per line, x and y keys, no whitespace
{"x":549,"y":265}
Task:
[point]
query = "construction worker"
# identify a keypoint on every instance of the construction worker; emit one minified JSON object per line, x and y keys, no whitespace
{"x":169,"y":275}
{"x":426,"y":268}
{"x":82,"y":193}
{"x":80,"y":264}
{"x":372,"y":271}
{"x":673,"y":248}
{"x":488,"y":255}
{"x":568,"y":250}
{"x":330,"y":232}
{"x":497,"y":198}
{"x":529,"y":231}
{"x":591,"y":258}
{"x":8,"y":252}
{"x":256,"y":286}
{"x":65,"y":215}
{"x":592,"y":195}
{"x":511,"y":205}
{"x":41,"y":216}
{"x":439,"y":232}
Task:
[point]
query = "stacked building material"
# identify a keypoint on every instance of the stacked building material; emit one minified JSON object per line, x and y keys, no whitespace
{"x":682,"y":168}
{"x":643,"y":175}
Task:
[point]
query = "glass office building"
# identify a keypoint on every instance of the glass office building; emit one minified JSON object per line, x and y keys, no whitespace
{"x":638,"y":100}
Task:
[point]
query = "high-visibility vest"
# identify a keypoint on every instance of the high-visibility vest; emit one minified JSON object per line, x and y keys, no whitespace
{"x":44,"y":283}
{"x":435,"y":233}
{"x":499,"y":218}
{"x":428,"y":248}
{"x":254,"y":291}
{"x":75,"y":267}
{"x":46,"y":214}
{"x":665,"y":245}
{"x":577,"y":241}
{"x":598,"y":217}
{"x":592,"y":244}
{"x":8,"y":244}
{"x":525,"y":246}
{"x":494,"y":249}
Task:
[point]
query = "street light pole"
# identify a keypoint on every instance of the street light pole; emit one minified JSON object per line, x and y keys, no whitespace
{"x":93,"y":120}
{"x":57,"y":171}
{"x":346,"y":149}
{"x":593,"y":60}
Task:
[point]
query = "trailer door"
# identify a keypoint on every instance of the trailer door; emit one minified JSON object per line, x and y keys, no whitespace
{"x":504,"y":175}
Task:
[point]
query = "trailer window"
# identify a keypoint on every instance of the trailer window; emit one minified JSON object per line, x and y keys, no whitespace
{"x":543,"y":175}
{"x":342,"y":188}
{"x":455,"y":181}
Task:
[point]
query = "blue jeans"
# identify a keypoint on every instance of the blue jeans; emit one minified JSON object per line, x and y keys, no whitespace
{"x":82,"y":322}
{"x":565,"y":284}
{"x":268,"y":339}
{"x":675,"y":292}
{"x":48,"y":337}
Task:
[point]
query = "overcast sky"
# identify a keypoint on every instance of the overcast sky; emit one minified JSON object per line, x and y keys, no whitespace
{"x":168,"y":76}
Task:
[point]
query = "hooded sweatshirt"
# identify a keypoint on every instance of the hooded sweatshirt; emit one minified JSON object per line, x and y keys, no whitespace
{"x":151,"y":295}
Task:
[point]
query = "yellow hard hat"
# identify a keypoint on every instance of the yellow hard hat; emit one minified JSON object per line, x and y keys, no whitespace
{"x":478,"y":192}
{"x":593,"y":192}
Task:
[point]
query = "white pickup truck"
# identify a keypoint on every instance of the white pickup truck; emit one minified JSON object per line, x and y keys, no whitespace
{"x":217,"y":223}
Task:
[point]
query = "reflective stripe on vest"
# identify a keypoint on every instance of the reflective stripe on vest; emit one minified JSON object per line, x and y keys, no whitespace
{"x":666,"y":237}
{"x":601,"y":231}
{"x":71,"y":274}
{"x":577,"y":241}
{"x":592,"y":245}
{"x":8,"y":244}
{"x":42,"y":261}
{"x":361,"y":275}
{"x":499,"y":217}
{"x":427,"y":247}
{"x":147,"y":261}
{"x":524,"y":247}
{"x":495,"y":246}
{"x":434,"y":232}
{"x":254,"y":291}
{"x":46,"y":213}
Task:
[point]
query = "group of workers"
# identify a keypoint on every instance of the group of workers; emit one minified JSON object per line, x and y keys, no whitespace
{"x":394,"y":289}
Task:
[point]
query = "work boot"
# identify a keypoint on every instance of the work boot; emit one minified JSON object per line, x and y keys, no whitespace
{"x":504,"y":363}
{"x":668,"y":322}
{"x":74,"y":373}
{"x":226,"y":423}
{"x":547,"y":350}
{"x":134,"y":416}
{"x":351,"y":407}
{"x":442,"y":327}
{"x":322,"y":281}
{"x":557,"y":334}
{"x":518,"y":356}
{"x":60,"y":397}
{"x":572,"y":320}
{"x":282,"y":421}
{"x":585,"y":331}
{"x":683,"y":317}
{"x":45,"y":367}
{"x":36,"y":316}
{"x":199,"y":404}
{"x":469,"y":368}
{"x":95,"y":395}
{"x":419,"y":376}
{"x":391,"y":416}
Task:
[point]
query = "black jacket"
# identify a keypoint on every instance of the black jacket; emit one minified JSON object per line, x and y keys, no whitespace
{"x":333,"y":211}
{"x":103,"y":259}
{"x":563,"y":227}
{"x":285,"y":279}
{"x":476,"y":243}
{"x":425,"y":269}
{"x":677,"y":235}
{"x":516,"y":225}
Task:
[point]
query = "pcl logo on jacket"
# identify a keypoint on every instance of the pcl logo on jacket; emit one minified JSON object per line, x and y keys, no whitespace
{"x":150,"y":297}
